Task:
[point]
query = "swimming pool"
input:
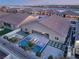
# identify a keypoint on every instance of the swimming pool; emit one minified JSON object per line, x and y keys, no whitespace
{"x":29,"y":37}
{"x":36,"y":48}
{"x":22,"y":33}
{"x":23,"y":43}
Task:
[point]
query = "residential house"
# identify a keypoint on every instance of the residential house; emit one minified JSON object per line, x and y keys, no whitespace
{"x":12,"y":20}
{"x":69,"y":14}
{"x":54,"y":26}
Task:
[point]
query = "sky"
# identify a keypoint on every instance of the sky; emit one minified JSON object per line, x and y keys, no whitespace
{"x":39,"y":2}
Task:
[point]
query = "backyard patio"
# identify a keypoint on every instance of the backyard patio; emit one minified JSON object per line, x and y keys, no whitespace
{"x":51,"y":51}
{"x":15,"y":36}
{"x":37,"y":42}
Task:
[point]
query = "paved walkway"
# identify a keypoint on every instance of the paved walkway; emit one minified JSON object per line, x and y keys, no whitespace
{"x":57,"y":45}
{"x":43,"y":40}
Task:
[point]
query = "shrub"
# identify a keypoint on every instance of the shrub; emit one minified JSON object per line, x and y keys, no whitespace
{"x":30,"y":44}
{"x":5,"y":37}
{"x":50,"y":57}
{"x":62,"y":58}
{"x":38,"y":54}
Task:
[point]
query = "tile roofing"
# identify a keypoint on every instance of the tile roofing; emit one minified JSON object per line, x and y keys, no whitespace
{"x":57,"y":24}
{"x":14,"y":19}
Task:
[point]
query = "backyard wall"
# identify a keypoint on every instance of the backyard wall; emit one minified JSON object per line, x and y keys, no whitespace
{"x":13,"y":32}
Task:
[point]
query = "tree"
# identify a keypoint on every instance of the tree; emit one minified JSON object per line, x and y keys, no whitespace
{"x":30,"y":44}
{"x":50,"y":57}
{"x":38,"y":54}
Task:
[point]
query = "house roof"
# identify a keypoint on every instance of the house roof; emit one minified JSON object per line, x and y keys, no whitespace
{"x":14,"y":19}
{"x":69,"y":12}
{"x":77,"y":31}
{"x":19,"y":19}
{"x":57,"y":24}
{"x":28,"y":9}
{"x":37,"y":9}
{"x":2,"y":14}
{"x":2,"y":55}
{"x":29,"y":19}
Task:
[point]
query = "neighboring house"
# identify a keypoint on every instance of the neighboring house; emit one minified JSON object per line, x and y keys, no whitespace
{"x":28,"y":10}
{"x":74,"y":36}
{"x":12,"y":10}
{"x":5,"y":54}
{"x":77,"y":31}
{"x":43,"y":12}
{"x":14,"y":21}
{"x":54,"y":26}
{"x":2,"y":14}
{"x":4,"y":9}
{"x":69,"y":14}
{"x":74,"y":29}
{"x":77,"y":41}
{"x":2,"y":54}
{"x":76,"y":49}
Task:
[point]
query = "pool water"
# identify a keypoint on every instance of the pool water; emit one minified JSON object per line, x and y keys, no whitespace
{"x":36,"y":48}
{"x":23,"y":43}
{"x":22,"y":33}
{"x":29,"y":37}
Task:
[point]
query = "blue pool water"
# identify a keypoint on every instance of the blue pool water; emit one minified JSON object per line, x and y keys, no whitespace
{"x":29,"y":37}
{"x":23,"y":43}
{"x":36,"y":48}
{"x":22,"y":33}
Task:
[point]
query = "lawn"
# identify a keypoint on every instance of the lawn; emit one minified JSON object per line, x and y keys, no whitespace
{"x":4,"y":31}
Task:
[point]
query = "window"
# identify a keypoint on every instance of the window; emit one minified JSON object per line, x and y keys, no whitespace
{"x":73,"y":32}
{"x":73,"y":28}
{"x":56,"y":38}
{"x":6,"y":24}
{"x":73,"y":38}
{"x":73,"y":22}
